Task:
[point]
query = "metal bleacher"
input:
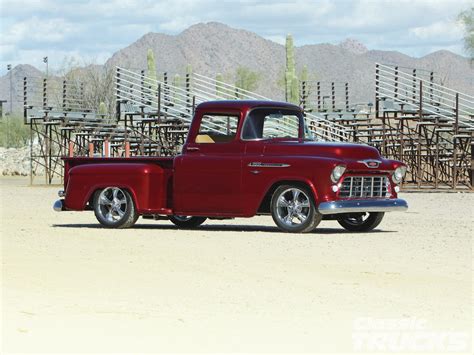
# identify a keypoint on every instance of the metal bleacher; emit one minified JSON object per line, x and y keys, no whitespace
{"x":415,"y":119}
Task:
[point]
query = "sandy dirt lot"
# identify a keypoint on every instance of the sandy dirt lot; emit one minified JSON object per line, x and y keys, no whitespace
{"x":241,"y":286}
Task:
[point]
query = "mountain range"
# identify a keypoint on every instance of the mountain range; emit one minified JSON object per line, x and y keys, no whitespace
{"x":212,"y":48}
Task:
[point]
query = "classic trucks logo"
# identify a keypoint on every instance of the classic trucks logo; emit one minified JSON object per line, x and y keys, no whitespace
{"x":414,"y":335}
{"x":370,"y":163}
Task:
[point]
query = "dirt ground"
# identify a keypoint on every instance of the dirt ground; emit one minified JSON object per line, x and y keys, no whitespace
{"x":69,"y":285}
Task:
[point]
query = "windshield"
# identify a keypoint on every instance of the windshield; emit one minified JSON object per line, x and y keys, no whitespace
{"x":265,"y":123}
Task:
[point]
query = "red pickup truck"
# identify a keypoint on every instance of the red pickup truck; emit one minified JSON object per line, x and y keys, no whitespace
{"x":241,"y":159}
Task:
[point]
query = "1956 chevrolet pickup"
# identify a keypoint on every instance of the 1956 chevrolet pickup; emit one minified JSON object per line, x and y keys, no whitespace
{"x":241,"y":159}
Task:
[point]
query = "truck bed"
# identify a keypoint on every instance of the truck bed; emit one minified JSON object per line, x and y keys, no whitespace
{"x":70,"y":162}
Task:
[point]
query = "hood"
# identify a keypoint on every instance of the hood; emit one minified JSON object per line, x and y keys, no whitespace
{"x":351,"y":154}
{"x":341,"y":151}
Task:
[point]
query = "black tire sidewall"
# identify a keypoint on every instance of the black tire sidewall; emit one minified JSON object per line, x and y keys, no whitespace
{"x":193,"y":222}
{"x":369,"y":224}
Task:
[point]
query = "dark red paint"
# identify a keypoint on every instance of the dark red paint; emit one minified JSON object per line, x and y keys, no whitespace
{"x":215,"y":179}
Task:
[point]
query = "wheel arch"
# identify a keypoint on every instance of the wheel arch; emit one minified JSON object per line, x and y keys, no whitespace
{"x":89,"y":201}
{"x":264,"y":206}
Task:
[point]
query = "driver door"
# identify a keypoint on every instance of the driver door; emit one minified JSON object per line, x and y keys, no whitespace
{"x":208,"y":174}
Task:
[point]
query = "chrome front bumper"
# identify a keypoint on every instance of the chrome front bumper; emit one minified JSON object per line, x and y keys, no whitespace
{"x":368,"y":205}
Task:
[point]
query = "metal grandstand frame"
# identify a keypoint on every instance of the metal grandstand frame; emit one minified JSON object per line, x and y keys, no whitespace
{"x":416,"y":119}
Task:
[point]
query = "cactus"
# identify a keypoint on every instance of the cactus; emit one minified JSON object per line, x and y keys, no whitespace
{"x":189,"y":69}
{"x":176,"y":84}
{"x":151,"y":74}
{"x":291,"y":80}
{"x":306,"y":90}
{"x":304,"y":74}
{"x":219,"y":78}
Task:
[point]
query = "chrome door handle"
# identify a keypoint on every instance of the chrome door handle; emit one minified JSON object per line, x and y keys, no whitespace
{"x":192,"y":149}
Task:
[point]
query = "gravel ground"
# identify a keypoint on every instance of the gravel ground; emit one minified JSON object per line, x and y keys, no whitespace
{"x":241,"y":286}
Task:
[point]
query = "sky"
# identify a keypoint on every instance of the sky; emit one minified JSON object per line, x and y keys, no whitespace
{"x":91,"y":31}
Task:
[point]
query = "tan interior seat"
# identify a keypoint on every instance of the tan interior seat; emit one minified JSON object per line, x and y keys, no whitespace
{"x":204,"y":138}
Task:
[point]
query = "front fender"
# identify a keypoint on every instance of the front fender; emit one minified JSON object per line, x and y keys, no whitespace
{"x":146,"y":183}
{"x":311,"y":171}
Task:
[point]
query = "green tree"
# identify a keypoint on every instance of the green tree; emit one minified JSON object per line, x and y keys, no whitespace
{"x":151,"y":73}
{"x":246,"y":79}
{"x":291,"y":79}
{"x":467,"y":19}
{"x":13,"y":132}
{"x":102,"y":108}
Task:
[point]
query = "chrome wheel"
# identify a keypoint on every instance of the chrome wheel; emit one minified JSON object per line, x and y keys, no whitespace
{"x":293,"y":207}
{"x":112,"y":204}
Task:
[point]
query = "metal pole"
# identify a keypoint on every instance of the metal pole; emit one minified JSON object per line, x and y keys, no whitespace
{"x":419,"y":169}
{"x":376,"y":90}
{"x":11,"y":88}
{"x":318,"y":89}
{"x":455,"y":143}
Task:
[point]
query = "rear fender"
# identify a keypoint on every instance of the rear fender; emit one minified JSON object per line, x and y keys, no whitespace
{"x":147,"y":184}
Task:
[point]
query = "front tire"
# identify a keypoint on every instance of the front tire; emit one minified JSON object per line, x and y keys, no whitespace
{"x":364,"y":222}
{"x":187,"y":221}
{"x":114,"y":208}
{"x":293,"y":209}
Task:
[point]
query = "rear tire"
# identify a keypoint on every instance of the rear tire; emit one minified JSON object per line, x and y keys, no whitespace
{"x":114,"y":208}
{"x":363,"y":223}
{"x":187,"y":221}
{"x":293,"y":209}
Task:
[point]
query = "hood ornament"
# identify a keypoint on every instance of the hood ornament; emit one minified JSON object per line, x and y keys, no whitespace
{"x":370,"y":163}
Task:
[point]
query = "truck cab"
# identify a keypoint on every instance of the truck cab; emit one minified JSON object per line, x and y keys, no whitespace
{"x":241,"y":159}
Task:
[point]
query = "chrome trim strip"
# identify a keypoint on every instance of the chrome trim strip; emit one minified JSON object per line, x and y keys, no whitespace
{"x":354,"y":206}
{"x":257,"y":164}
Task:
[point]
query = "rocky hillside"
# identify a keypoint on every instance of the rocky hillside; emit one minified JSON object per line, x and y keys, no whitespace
{"x":212,"y":48}
{"x":17,"y":74}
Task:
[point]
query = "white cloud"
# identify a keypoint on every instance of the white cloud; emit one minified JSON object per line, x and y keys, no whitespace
{"x":444,"y":29}
{"x":31,"y":29}
{"x":38,"y":30}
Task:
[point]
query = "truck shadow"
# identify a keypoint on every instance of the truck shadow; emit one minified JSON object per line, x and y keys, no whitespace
{"x":221,"y":228}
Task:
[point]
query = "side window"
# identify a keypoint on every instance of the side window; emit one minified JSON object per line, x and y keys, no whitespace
{"x":280,"y":126}
{"x":271,"y":123}
{"x":216,"y":128}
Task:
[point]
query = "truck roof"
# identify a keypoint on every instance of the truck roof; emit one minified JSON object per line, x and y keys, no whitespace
{"x":245,"y":104}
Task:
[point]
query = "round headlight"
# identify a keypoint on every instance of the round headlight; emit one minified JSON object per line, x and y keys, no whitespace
{"x":399,"y":174}
{"x":337,"y":173}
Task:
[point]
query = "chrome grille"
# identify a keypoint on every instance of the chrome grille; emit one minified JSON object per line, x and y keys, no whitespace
{"x":363,"y":187}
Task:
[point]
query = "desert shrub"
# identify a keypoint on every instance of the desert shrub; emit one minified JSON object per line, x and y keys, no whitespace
{"x":13,"y":132}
